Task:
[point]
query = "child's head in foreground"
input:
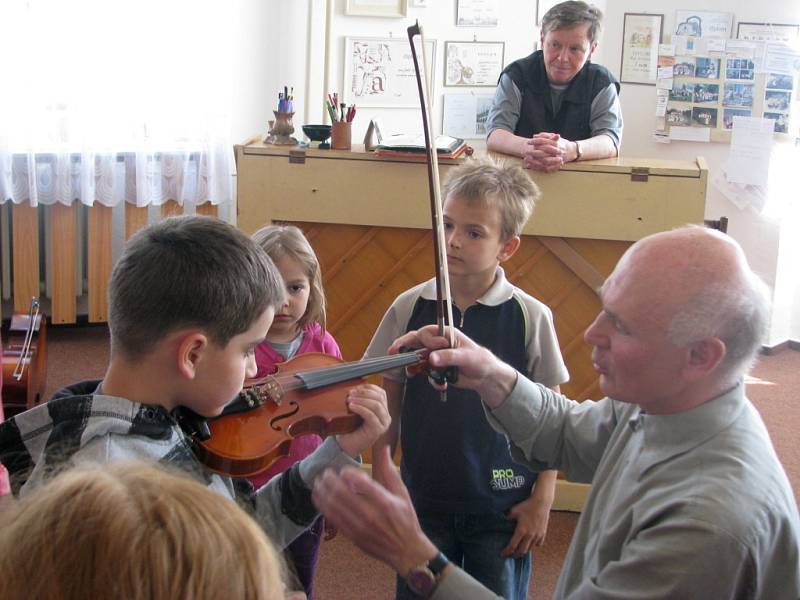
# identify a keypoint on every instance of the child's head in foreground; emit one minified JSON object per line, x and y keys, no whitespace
{"x":134,"y":531}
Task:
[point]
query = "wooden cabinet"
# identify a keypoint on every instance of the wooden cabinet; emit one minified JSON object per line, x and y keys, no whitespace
{"x":368,"y":220}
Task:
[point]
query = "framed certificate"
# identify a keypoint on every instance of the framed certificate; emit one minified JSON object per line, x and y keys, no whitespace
{"x":767,"y":32}
{"x":641,"y":35}
{"x":376,"y":8}
{"x":473,"y":63}
{"x":476,"y":13}
{"x":380,"y":72}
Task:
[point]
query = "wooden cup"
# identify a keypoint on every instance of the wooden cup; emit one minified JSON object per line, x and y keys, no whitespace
{"x":341,"y":135}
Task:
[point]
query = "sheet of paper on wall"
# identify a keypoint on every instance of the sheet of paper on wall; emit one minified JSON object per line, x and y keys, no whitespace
{"x":666,"y":49}
{"x":665,"y":72}
{"x":690,"y":134}
{"x":701,"y":46}
{"x":715,"y":44}
{"x":780,"y":58}
{"x":703,"y":23}
{"x":464,"y":115}
{"x":684,"y":45}
{"x":664,"y":81}
{"x":751,"y":146}
{"x":662,"y":97}
{"x":742,"y":49}
{"x":739,"y":194}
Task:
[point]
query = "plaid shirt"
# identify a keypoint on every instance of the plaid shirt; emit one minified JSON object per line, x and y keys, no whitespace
{"x":79,"y":426}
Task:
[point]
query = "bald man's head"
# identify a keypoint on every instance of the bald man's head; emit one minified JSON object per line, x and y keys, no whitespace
{"x":700,"y":286}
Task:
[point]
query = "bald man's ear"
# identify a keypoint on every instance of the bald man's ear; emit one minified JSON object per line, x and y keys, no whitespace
{"x":704,"y":357}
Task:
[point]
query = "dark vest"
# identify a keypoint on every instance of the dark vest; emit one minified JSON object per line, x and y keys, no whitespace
{"x":453,"y":461}
{"x":536,"y":114}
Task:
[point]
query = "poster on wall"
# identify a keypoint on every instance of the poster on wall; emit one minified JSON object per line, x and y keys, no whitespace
{"x":768,"y":32}
{"x":379,"y":72}
{"x":702,"y":23}
{"x":464,"y":115}
{"x":477,"y":13}
{"x":376,"y":8}
{"x":473,"y":63}
{"x":641,"y":36}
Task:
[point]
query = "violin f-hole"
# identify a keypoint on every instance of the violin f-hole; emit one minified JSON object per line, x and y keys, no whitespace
{"x":275,"y":422}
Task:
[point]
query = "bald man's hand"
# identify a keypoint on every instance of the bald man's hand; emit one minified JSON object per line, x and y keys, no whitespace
{"x":379,"y":520}
{"x":478,"y":368}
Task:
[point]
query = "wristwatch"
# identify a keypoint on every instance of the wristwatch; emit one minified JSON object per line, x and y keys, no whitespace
{"x":578,"y":151}
{"x":424,"y":578}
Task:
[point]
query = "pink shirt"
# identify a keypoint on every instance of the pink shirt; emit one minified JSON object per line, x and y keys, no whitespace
{"x":314,"y":340}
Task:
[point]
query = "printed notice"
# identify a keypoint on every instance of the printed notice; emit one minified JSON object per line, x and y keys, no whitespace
{"x":751,"y":146}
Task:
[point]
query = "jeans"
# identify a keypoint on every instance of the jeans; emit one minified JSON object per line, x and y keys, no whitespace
{"x":303,"y":553}
{"x":474,"y":543}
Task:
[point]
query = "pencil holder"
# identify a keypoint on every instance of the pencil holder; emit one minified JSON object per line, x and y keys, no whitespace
{"x":341,"y":135}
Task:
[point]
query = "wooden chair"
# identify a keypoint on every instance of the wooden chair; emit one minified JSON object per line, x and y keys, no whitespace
{"x":720,"y":224}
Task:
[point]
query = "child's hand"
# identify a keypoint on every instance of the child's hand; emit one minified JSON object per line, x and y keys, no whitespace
{"x":369,"y":402}
{"x":532,"y":516}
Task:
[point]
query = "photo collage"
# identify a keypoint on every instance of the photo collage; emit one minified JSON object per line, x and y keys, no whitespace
{"x":711,"y":91}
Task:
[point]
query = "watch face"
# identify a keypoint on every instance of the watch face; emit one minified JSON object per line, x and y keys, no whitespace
{"x":421,"y":581}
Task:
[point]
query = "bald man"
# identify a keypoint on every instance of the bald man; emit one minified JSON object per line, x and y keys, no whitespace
{"x":688,"y":498}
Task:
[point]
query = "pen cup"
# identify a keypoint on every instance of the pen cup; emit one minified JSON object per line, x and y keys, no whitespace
{"x":341,"y":135}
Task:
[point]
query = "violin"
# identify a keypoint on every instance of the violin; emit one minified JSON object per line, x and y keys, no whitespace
{"x":24,"y":361}
{"x":307,"y":394}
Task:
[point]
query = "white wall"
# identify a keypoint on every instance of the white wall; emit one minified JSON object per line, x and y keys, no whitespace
{"x":284,"y":42}
{"x":270,"y":51}
{"x":516,"y":27}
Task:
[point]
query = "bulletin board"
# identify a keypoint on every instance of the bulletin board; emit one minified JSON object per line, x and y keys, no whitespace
{"x":704,"y":84}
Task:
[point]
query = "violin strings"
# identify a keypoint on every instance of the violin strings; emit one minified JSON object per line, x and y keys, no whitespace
{"x":316,"y":378}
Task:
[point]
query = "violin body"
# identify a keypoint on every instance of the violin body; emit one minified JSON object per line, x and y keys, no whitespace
{"x":246,"y":443}
{"x":20,"y":394}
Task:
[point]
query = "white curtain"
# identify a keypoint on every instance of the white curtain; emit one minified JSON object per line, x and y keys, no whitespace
{"x":112,"y":100}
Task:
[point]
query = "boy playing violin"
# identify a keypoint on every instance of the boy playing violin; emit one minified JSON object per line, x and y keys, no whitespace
{"x":189,"y":300}
{"x":481,"y":509}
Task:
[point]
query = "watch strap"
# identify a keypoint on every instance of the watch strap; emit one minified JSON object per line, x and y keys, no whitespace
{"x":578,"y":151}
{"x":438,"y":563}
{"x":423,"y":579}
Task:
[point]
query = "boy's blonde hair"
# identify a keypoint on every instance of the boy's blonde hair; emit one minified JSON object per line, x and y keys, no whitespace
{"x":287,"y":240}
{"x":131,"y":530}
{"x":509,"y":189}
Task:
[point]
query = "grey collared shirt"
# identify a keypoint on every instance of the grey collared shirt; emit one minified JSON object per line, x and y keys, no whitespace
{"x":687,"y":505}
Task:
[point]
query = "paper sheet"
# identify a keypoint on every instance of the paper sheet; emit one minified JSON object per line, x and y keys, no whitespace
{"x":465,"y":115}
{"x":690,"y":134}
{"x":779,"y":58}
{"x":751,"y":146}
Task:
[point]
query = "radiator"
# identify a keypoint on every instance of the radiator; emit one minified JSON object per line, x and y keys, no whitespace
{"x":65,"y":253}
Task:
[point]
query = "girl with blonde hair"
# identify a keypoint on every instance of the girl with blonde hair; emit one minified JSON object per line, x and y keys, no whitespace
{"x":298,"y":328}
